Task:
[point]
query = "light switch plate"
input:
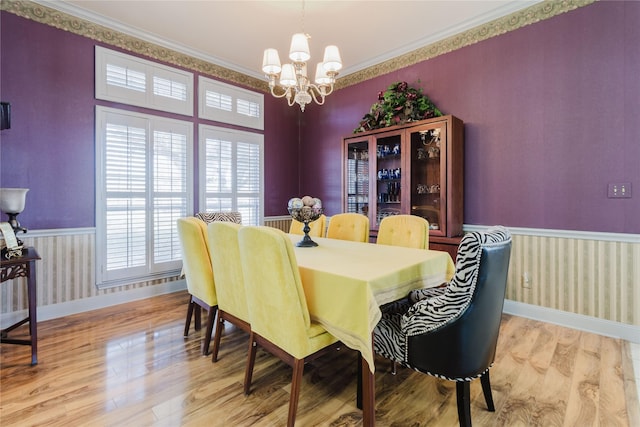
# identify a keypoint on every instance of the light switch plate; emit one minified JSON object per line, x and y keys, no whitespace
{"x":619,"y":190}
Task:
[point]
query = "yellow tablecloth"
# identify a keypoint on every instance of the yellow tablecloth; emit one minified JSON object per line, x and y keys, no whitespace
{"x":346,"y":282}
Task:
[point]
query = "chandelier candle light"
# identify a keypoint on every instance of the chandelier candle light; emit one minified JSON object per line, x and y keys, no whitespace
{"x":293,"y":80}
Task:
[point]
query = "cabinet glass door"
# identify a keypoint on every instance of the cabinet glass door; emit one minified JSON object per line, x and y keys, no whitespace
{"x":428,"y":176}
{"x":388,"y":176}
{"x":357,"y":177}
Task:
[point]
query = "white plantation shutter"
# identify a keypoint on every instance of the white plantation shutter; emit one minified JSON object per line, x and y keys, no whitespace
{"x":248,"y":176}
{"x":169,"y":192}
{"x":248,"y":108}
{"x":231,"y":168}
{"x":121,"y":76}
{"x":218,"y":101}
{"x":125,"y":182}
{"x":144,"y":185}
{"x":169,"y":88}
{"x":135,"y":81}
{"x":230,"y":104}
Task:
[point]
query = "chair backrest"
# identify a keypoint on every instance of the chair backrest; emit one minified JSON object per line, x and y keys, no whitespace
{"x":277,"y":305}
{"x":209,"y":217}
{"x":196,"y":263}
{"x":410,"y":231}
{"x":225,"y":259}
{"x":464,"y":322}
{"x":349,"y":226}
{"x":316,"y":228}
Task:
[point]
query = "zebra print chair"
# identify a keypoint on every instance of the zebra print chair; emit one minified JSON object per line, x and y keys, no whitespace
{"x":453,"y":334}
{"x":209,"y":217}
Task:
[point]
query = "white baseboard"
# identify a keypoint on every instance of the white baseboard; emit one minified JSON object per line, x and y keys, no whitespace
{"x":572,"y":320}
{"x":54,"y":311}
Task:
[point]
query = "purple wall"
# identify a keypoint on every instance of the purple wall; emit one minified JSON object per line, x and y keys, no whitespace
{"x":550,"y":110}
{"x":48,"y":77}
{"x":551,"y":116}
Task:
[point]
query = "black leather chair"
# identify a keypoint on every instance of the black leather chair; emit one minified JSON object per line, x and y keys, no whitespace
{"x":454,"y":334}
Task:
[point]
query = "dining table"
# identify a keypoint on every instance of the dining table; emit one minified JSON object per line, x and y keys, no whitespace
{"x":346,"y":282}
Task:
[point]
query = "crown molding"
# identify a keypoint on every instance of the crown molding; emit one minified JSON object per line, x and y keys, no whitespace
{"x":110,"y":36}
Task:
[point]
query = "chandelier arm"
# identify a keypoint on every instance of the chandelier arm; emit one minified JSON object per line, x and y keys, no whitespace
{"x":275,"y":95}
{"x":315,"y":93}
{"x":330,"y":91}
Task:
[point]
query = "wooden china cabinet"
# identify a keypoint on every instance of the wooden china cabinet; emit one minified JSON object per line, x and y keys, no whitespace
{"x":416,"y":169}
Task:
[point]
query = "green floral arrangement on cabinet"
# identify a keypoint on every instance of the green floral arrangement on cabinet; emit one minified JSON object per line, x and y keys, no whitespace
{"x":399,"y":104}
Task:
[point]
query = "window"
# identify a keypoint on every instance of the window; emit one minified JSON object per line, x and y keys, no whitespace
{"x":135,"y":81}
{"x":231,"y":172}
{"x":143,"y":185}
{"x":230,"y":104}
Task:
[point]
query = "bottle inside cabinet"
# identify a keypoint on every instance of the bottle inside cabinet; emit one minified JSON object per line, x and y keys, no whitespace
{"x":357,"y":177}
{"x":388,"y":176}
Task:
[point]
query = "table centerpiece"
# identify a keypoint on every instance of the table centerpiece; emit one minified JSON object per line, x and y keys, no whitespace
{"x":305,"y":210}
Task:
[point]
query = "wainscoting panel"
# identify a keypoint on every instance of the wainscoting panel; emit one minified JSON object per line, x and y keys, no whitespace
{"x":280,"y":222}
{"x":593,"y":277}
{"x":65,"y":273}
{"x":591,"y":274}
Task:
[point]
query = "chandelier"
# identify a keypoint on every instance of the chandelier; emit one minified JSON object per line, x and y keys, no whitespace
{"x":291,"y":80}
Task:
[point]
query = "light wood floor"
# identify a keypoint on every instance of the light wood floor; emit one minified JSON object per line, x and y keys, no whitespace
{"x":130,"y":366}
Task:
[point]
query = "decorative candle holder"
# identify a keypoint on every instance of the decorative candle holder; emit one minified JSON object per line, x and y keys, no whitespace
{"x":305,"y":215}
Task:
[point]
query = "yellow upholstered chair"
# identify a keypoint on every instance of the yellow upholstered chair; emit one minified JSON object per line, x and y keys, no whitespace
{"x":198,"y":272}
{"x":280,"y":321}
{"x":316,"y":228}
{"x":349,"y":226}
{"x":225,"y":258}
{"x":410,"y":231}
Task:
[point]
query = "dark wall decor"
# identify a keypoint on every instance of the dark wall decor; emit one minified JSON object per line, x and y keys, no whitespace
{"x":5,"y":115}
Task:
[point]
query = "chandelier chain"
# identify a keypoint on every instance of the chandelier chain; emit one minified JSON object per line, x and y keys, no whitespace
{"x":302,"y":19}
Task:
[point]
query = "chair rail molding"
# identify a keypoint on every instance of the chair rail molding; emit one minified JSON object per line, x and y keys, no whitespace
{"x":568,"y":234}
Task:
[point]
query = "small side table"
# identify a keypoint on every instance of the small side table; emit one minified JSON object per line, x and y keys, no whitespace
{"x":24,"y":266}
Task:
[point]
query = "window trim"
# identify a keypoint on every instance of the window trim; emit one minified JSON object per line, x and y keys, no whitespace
{"x":146,"y":99}
{"x":235,"y":135}
{"x":151,"y":270}
{"x":236,"y":93}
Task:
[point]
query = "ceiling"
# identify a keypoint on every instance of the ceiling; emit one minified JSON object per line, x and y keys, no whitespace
{"x":235,"y":33}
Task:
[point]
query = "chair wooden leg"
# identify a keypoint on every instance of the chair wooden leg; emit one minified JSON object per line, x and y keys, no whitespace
{"x":198,"y":316}
{"x":359,"y":387}
{"x":251,"y":359}
{"x":189,"y":315}
{"x":211,"y":316}
{"x":464,"y":405}
{"x":486,"y":389}
{"x":216,"y":337}
{"x":298,"y":370}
